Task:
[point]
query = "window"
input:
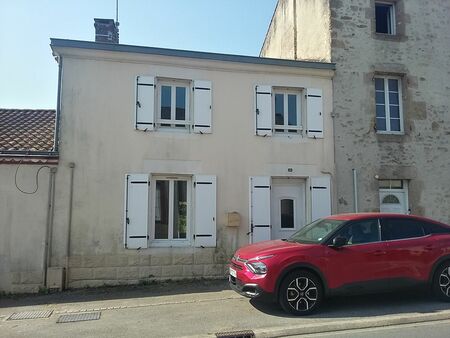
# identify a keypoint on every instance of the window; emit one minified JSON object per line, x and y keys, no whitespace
{"x":385,"y":18}
{"x":287,"y":108}
{"x":433,"y":228}
{"x":401,"y":228}
{"x":389,"y":112}
{"x":173,"y":104}
{"x":361,"y":232}
{"x":287,"y":213}
{"x":390,"y":184}
{"x":171,"y":208}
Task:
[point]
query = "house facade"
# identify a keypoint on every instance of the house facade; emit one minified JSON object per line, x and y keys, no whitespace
{"x":390,"y":96}
{"x":169,"y":160}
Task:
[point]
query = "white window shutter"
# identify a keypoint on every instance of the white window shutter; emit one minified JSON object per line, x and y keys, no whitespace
{"x":264,"y":110}
{"x":205,"y":211}
{"x":260,"y":208}
{"x":202,"y":107}
{"x":314,"y":113}
{"x":320,"y":197}
{"x":136,"y":211}
{"x":145,"y":103}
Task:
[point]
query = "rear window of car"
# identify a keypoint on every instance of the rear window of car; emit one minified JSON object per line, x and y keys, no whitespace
{"x":433,"y":228}
{"x":401,"y":228}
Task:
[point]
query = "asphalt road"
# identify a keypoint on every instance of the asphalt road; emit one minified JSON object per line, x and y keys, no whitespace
{"x":434,"y":329}
{"x":202,"y":309}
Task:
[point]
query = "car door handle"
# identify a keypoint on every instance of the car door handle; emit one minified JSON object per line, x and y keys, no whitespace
{"x":379,"y":253}
{"x":428,"y":247}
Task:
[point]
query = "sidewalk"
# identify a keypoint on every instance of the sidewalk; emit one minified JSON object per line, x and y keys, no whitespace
{"x":202,"y":309}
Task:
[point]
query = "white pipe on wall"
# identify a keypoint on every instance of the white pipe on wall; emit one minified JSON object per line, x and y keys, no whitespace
{"x":355,"y":191}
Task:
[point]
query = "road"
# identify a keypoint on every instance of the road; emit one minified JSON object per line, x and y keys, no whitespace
{"x":204,"y":308}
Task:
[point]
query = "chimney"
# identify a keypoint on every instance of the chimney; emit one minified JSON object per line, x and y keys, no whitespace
{"x":106,"y":30}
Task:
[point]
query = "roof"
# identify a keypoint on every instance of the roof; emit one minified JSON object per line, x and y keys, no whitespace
{"x":27,"y":132}
{"x":190,"y":54}
{"x":366,"y":215}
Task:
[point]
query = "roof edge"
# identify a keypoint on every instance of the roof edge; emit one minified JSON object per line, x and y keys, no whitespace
{"x":64,"y":43}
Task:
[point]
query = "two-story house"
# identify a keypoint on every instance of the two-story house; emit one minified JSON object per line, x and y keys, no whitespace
{"x":390,"y":96}
{"x":171,"y":159}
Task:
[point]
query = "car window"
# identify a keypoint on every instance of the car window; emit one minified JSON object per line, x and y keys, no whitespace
{"x":360,"y":232}
{"x":401,"y":228}
{"x":316,"y":231}
{"x":433,"y":228}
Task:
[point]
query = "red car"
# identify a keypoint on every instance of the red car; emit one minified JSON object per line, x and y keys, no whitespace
{"x":348,"y":253}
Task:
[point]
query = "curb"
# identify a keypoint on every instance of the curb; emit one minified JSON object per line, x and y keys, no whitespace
{"x":352,"y":324}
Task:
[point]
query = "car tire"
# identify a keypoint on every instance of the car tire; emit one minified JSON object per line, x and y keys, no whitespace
{"x":300,"y":293}
{"x":441,"y":282}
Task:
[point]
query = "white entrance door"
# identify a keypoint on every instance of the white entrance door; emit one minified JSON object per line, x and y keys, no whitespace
{"x":287,"y":207}
{"x":393,"y":201}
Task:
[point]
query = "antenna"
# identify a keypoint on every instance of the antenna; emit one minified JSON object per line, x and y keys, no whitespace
{"x":117,"y":12}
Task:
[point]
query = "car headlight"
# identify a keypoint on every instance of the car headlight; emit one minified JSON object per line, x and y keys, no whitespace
{"x":258,"y":268}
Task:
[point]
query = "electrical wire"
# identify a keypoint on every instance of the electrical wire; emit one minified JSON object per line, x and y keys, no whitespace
{"x":37,"y":179}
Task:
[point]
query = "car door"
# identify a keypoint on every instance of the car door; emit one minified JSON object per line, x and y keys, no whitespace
{"x":411,"y":251}
{"x":360,"y":263}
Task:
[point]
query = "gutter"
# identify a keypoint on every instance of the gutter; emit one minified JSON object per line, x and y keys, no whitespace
{"x":28,"y":153}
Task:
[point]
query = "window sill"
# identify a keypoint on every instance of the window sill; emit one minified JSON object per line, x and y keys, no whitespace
{"x":390,"y":137}
{"x":388,"y":37}
{"x":169,"y":244}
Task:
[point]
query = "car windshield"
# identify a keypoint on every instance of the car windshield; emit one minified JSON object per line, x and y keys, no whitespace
{"x":316,"y":231}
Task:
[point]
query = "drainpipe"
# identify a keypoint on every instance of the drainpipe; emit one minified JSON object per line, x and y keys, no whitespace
{"x":47,"y":227}
{"x":355,"y":191}
{"x":69,"y":225}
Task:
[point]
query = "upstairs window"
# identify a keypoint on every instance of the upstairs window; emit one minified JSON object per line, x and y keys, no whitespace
{"x":173,"y":104}
{"x":389,"y":112}
{"x":385,"y":18}
{"x":287,"y":110}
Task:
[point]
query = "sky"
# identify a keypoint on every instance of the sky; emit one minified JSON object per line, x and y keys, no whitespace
{"x":29,"y":73}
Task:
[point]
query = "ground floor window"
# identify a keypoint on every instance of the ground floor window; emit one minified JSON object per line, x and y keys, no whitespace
{"x":171,"y":208}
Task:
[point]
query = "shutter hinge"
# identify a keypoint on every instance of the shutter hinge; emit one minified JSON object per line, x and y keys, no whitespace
{"x":128,"y":220}
{"x":138,"y":104}
{"x":195,"y":183}
{"x":193,"y":236}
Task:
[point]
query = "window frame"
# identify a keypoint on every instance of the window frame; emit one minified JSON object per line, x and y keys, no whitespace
{"x":285,"y":128}
{"x":172,"y":123}
{"x":392,"y":14}
{"x":383,"y":231}
{"x":170,"y":241}
{"x":387,"y":105}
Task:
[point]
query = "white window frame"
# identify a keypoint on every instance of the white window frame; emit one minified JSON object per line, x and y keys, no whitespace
{"x":387,"y":105}
{"x":170,"y":242}
{"x":285,"y":128}
{"x":172,"y":123}
{"x":393,"y":25}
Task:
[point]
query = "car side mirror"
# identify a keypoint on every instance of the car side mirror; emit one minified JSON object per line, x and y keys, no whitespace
{"x":339,"y":242}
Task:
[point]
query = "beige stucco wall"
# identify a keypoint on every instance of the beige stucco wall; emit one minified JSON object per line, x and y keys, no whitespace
{"x":300,"y":29}
{"x":419,"y":54}
{"x":22,"y":228}
{"x":98,"y":98}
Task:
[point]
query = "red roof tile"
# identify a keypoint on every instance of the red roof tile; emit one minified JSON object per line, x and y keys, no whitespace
{"x":27,"y":129}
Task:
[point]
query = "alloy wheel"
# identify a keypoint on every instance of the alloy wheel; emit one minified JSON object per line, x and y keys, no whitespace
{"x":444,"y":281}
{"x":301,"y":294}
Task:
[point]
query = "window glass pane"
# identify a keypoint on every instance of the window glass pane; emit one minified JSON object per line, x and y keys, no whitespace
{"x":381,"y":110}
{"x":390,"y":199}
{"x":180,"y":111}
{"x":360,"y":232}
{"x":395,"y":111}
{"x":393,"y":85}
{"x":401,"y":228}
{"x":162,"y":210}
{"x":396,"y":184}
{"x":395,"y":124}
{"x":381,"y":124}
{"x":379,"y":97}
{"x":179,"y":209}
{"x":379,"y":84}
{"x":432,"y":228}
{"x":384,"y":184}
{"x":287,"y":213}
{"x":382,"y":18}
{"x":292,"y":110}
{"x":166,"y":97}
{"x":393,"y":98}
{"x":279,"y":109}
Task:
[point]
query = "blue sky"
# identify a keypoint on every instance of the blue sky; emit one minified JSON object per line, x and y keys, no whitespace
{"x":28,"y":71}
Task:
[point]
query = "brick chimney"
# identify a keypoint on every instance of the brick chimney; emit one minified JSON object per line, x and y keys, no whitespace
{"x":106,"y":30}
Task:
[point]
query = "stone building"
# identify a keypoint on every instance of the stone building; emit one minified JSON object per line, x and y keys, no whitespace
{"x":390,"y":96}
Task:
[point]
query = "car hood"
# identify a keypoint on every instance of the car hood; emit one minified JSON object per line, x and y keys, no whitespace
{"x":267,"y":248}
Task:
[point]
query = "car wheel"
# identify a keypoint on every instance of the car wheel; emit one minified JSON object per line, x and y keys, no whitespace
{"x":441,"y":282}
{"x":300,"y":293}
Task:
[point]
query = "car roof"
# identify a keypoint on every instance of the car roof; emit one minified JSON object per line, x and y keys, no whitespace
{"x":367,"y":215}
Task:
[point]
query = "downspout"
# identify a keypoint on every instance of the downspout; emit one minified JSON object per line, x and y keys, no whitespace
{"x":355,"y":191}
{"x":45,"y":258}
{"x":69,"y":224}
